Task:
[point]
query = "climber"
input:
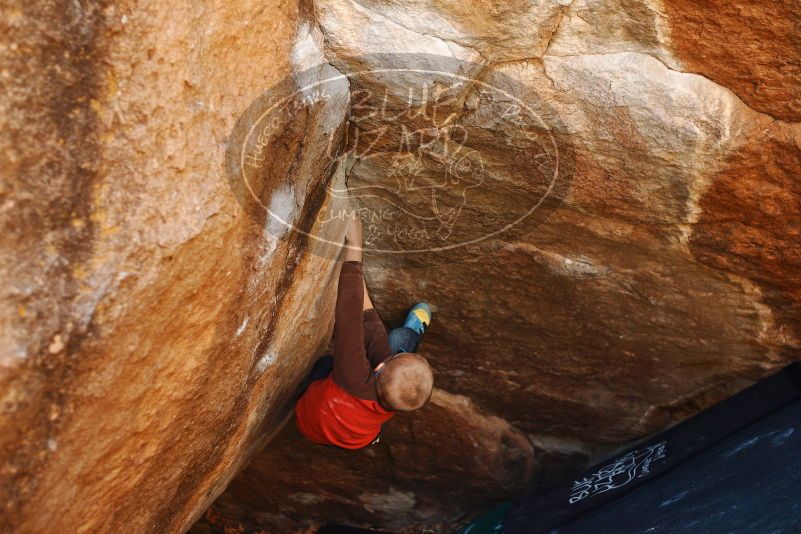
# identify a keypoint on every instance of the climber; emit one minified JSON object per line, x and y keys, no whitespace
{"x":371,"y":375}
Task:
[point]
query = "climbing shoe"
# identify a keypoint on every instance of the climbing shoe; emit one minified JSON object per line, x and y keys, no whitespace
{"x":419,"y":317}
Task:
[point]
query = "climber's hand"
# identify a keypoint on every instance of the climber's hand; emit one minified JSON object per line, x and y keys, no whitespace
{"x":353,"y":231}
{"x":353,"y":239}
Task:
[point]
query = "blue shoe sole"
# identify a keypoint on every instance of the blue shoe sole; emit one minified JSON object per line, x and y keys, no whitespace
{"x":414,"y":319}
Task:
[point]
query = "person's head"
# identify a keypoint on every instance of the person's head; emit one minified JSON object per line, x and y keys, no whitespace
{"x":404,"y":382}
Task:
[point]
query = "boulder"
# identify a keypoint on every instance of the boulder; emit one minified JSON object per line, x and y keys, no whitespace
{"x":600,"y":200}
{"x":657,"y":277}
{"x":154,"y":331}
{"x":437,"y":479}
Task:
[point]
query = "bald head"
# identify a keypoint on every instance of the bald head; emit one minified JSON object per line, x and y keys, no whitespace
{"x":405,"y":383}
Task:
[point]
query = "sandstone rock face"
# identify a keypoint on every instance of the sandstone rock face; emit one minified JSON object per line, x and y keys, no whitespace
{"x":599,"y":199}
{"x":153,"y":333}
{"x":662,"y":278}
{"x":479,"y":459}
{"x":751,"y":48}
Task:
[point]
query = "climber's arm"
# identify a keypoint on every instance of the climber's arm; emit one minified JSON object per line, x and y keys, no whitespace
{"x":353,"y":252}
{"x":376,"y":340}
{"x":351,"y":368}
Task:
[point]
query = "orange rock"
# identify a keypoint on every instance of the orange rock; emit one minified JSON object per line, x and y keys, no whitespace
{"x":753,"y":48}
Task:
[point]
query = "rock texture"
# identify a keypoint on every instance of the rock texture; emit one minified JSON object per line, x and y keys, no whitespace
{"x":751,"y":48}
{"x":156,"y":321}
{"x":664,"y":278}
{"x":479,"y":459}
{"x":152,"y":333}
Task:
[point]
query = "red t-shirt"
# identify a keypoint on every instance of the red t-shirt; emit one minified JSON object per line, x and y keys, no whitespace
{"x":329,"y":415}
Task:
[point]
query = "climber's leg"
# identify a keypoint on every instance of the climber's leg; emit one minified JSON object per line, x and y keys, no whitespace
{"x":404,"y":340}
{"x":418,"y":317}
{"x":322,"y":368}
{"x":407,"y":338}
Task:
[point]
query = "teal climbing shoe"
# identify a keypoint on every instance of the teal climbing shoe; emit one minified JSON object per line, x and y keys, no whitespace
{"x":419,"y":317}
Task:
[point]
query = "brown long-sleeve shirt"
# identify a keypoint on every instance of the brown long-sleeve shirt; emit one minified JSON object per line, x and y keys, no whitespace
{"x":360,"y":339}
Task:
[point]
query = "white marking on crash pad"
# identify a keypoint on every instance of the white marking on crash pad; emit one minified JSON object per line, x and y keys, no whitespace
{"x":676,"y":498}
{"x":778,"y":440}
{"x":747,"y":444}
